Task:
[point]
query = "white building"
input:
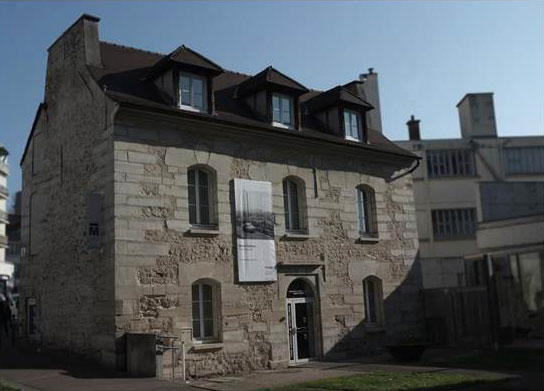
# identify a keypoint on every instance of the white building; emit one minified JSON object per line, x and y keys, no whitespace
{"x":481,"y":198}
{"x":6,"y":269}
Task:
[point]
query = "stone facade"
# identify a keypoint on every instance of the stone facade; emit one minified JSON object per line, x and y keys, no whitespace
{"x":139,"y":277}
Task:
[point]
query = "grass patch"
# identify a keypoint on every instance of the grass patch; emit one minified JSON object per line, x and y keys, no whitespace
{"x":388,"y":381}
{"x":505,"y":360}
{"x":3,"y":387}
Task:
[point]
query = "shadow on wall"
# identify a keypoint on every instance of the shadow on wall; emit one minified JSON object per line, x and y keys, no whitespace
{"x":399,"y":320}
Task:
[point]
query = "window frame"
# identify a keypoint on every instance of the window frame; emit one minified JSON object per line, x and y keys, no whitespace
{"x":359,"y":124}
{"x":281,"y":124}
{"x":365,"y":201}
{"x":191,"y":106}
{"x":523,"y":166}
{"x":450,"y":163}
{"x":287,"y":205}
{"x":461,"y":220}
{"x":376,"y":318}
{"x":214,"y":287}
{"x":212,"y":223}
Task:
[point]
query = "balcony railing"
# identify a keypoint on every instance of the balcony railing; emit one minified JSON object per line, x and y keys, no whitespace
{"x":4,"y":191}
{"x":3,"y":241}
{"x":4,"y":169}
{"x":4,"y":218}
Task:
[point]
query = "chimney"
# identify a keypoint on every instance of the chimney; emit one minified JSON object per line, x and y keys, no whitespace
{"x":77,"y":47}
{"x":372,"y":93}
{"x":477,"y":115}
{"x":413,"y":129}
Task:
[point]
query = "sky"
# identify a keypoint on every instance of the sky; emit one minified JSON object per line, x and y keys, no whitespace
{"x":428,"y":54}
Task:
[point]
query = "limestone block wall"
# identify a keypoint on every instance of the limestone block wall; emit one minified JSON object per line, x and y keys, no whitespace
{"x":157,"y":259}
{"x":69,"y":155}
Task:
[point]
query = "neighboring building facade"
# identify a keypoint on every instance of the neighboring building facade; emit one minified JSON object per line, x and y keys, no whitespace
{"x":13,"y":252}
{"x":6,"y":269}
{"x":477,"y":195}
{"x":131,"y":177}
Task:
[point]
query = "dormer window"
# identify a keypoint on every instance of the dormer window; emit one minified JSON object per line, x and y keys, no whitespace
{"x":352,"y":125}
{"x":282,"y":110}
{"x":192,"y":92}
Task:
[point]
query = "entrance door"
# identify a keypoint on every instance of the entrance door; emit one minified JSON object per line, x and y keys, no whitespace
{"x":300,"y":321}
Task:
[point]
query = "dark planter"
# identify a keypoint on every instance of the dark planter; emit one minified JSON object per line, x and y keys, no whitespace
{"x":407,"y":352}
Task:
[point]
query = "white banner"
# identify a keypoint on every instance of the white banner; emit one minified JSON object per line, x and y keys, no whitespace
{"x":255,"y":231}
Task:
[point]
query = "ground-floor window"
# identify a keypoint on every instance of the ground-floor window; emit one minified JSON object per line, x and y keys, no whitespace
{"x":372,"y":287}
{"x":31,"y":316}
{"x":204,"y":300}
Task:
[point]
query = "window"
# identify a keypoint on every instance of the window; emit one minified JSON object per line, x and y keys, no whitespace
{"x":524,"y":160}
{"x":352,"y":125}
{"x":31,"y":316}
{"x":204,"y":311}
{"x":453,"y":223}
{"x":372,"y":288}
{"x":447,"y":162}
{"x":192,"y":92}
{"x":201,"y":183}
{"x":282,"y":110}
{"x":366,"y":211}
{"x":293,"y":197}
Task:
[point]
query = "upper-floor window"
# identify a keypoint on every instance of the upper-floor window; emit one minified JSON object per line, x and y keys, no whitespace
{"x":352,"y":125}
{"x":282,"y":110}
{"x":192,"y":92}
{"x":293,"y":201}
{"x":450,"y":162}
{"x":366,"y":211}
{"x":454,"y":223}
{"x":201,"y":186}
{"x":524,"y":160}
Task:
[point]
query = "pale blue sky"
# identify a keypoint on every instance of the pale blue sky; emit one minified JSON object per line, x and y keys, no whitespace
{"x":427,"y":54}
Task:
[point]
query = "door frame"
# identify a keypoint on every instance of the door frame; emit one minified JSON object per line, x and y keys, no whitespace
{"x":293,"y":301}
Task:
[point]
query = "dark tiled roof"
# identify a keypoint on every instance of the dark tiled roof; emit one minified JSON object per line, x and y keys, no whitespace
{"x":184,"y":56}
{"x":272,"y":76}
{"x":124,"y":77}
{"x":333,"y":96}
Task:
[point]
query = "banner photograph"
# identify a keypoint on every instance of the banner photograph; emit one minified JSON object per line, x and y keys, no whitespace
{"x":255,"y":231}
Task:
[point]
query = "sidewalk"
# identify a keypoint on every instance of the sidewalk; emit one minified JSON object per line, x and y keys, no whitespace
{"x":30,"y":371}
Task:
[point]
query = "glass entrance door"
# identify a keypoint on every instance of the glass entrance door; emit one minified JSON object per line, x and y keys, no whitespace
{"x":301,"y":335}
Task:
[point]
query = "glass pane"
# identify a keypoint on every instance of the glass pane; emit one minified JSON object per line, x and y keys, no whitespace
{"x":354,"y":126}
{"x":276,"y":108}
{"x":185,"y":87}
{"x":198,"y":93}
{"x":196,"y":310}
{"x":286,"y":205}
{"x":286,"y":111}
{"x":208,"y":310}
{"x":208,"y":328}
{"x":207,"y":292}
{"x":204,"y":214}
{"x":293,"y":207}
{"x":196,"y":329}
{"x":195,"y":293}
{"x":346,"y":123}
{"x":192,"y":214}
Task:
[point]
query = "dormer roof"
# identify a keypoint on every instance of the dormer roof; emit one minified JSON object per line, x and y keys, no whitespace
{"x":188,"y":59}
{"x":336,"y":96}
{"x":270,"y":77}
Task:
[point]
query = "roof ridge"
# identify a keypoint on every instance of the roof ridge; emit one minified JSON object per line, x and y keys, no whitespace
{"x":132,"y":48}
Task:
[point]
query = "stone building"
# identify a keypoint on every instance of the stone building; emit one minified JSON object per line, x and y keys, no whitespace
{"x":479,"y":203}
{"x":131,"y":179}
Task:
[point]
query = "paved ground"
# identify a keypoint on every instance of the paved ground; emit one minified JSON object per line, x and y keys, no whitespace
{"x":35,"y":371}
{"x":32,"y":371}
